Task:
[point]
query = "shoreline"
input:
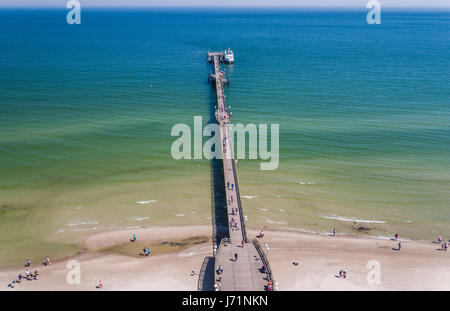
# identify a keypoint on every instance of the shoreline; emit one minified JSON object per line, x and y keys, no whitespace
{"x":419,"y":265}
{"x":86,"y":243}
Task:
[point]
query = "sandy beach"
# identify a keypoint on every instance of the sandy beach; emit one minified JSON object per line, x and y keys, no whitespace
{"x":179,"y":251}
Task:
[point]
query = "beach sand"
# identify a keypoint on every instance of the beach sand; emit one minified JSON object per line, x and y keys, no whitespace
{"x":178,"y":251}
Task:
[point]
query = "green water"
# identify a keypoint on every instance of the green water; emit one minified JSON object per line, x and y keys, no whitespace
{"x":86,"y":113}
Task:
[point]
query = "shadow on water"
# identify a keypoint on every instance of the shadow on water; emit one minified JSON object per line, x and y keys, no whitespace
{"x":218,"y":203}
{"x":218,"y":197}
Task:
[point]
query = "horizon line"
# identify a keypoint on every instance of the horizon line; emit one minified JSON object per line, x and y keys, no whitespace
{"x":264,"y":7}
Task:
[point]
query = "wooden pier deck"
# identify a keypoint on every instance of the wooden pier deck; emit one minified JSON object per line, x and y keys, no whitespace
{"x":243,"y":273}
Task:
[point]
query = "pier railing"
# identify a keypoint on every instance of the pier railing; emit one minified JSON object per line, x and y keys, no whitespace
{"x":205,"y":283}
{"x":265,"y":261}
{"x":238,"y":198}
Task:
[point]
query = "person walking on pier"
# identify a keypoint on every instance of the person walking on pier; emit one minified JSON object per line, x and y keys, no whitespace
{"x":228,"y":185}
{"x":232,"y":187}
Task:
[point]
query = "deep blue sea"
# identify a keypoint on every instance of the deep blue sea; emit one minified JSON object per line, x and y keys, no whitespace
{"x":86,"y":113}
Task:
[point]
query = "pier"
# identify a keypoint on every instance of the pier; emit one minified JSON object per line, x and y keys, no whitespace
{"x":241,"y":260}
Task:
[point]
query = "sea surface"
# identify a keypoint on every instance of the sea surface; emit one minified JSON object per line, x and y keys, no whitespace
{"x":86,"y":113}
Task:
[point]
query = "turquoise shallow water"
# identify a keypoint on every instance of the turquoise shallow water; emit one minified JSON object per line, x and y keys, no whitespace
{"x":86,"y":113}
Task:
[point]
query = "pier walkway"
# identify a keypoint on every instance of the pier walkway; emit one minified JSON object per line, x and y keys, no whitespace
{"x":244,"y":272}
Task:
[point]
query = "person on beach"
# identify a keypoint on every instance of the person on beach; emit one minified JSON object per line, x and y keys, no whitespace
{"x":261,"y":234}
{"x":439,"y":239}
{"x":100,"y":284}
{"x":219,"y":269}
{"x":28,"y":263}
{"x":334,"y":231}
{"x":20,"y":277}
{"x":396,"y":236}
{"x":144,"y":250}
{"x":134,"y":237}
{"x":243,"y":243}
{"x":47,"y":261}
{"x":27,"y":274}
{"x":399,"y":246}
{"x":36,"y":275}
{"x":235,"y":256}
{"x":149,"y":251}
